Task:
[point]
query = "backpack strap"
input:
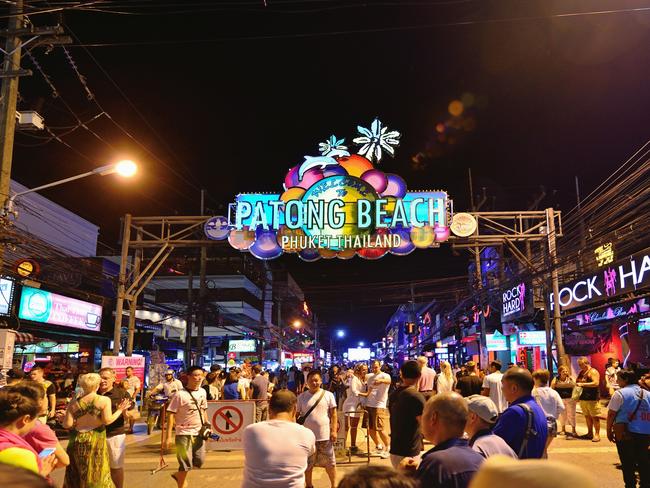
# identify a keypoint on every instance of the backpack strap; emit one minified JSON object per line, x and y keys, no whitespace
{"x":529,"y":428}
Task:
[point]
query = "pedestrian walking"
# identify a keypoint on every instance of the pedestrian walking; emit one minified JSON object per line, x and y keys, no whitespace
{"x":336,"y":384}
{"x":272,"y":464}
{"x":564,"y":384}
{"x":628,"y":425}
{"x":259,"y":391}
{"x":482,"y":417}
{"x":406,"y":406}
{"x":550,"y":401}
{"x":426,"y":383}
{"x":232,"y":388}
{"x":134,"y":388}
{"x":378,"y":386}
{"x":589,"y":380}
{"x":451,"y":463}
{"x":317,"y":412}
{"x":87,"y":417}
{"x":116,"y":431}
{"x":523,"y":424}
{"x":492,"y":386}
{"x":188,"y":408}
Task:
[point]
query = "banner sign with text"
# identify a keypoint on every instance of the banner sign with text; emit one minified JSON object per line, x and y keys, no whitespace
{"x":339,"y":204}
{"x":624,"y":276}
{"x":43,"y":306}
{"x":120,"y":363}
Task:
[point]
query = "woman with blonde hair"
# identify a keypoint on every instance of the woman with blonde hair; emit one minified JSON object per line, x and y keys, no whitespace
{"x":446,"y":380}
{"x":355,"y":400}
{"x":564,"y":384}
{"x":87,"y":416}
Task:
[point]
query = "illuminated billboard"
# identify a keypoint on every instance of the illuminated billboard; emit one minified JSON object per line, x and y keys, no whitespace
{"x":49,"y":308}
{"x":338,"y":205}
{"x":532,"y":338}
{"x":242,"y":345}
{"x":359,"y":354}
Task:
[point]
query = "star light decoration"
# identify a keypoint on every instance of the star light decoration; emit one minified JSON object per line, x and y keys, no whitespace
{"x":375,"y":140}
{"x":333,"y":147}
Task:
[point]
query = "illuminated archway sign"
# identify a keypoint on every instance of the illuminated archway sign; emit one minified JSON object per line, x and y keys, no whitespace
{"x":339,"y":205}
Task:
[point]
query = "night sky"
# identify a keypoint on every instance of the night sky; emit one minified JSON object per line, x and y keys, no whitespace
{"x":233,"y":95}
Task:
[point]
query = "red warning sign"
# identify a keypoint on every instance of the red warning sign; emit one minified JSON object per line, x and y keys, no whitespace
{"x":227,"y":420}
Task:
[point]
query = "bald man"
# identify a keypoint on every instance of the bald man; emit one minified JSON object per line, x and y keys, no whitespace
{"x":451,"y":463}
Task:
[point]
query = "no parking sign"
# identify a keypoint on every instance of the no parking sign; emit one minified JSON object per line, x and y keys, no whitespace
{"x":229,"y":419}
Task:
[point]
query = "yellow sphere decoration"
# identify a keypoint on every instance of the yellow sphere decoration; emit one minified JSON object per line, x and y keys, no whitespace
{"x":422,"y":237}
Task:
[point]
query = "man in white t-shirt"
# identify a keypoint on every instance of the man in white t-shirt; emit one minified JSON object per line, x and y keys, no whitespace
{"x":188,"y":407}
{"x":134,"y":388}
{"x":322,"y":422}
{"x":378,"y":385}
{"x":269,"y":462}
{"x":492,"y":386}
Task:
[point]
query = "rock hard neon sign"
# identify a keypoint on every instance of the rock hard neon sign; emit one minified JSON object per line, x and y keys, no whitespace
{"x":339,"y":205}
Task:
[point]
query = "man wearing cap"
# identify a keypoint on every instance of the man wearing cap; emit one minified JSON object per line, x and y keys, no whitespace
{"x":483,"y":414}
{"x":168,"y":386}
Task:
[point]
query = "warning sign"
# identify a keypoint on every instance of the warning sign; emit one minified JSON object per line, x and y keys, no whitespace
{"x":228,"y":419}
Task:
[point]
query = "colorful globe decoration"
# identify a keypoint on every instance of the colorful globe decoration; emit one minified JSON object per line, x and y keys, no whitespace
{"x":266,"y":245}
{"x":349,"y":190}
{"x":405,"y":246}
{"x":216,"y":228}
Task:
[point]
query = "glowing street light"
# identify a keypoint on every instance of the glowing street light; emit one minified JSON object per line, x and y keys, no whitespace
{"x":340,"y":334}
{"x":361,"y":344}
{"x":125,"y":168}
{"x":297,"y":324}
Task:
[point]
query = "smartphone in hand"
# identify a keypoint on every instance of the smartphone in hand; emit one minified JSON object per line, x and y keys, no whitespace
{"x":46,"y":452}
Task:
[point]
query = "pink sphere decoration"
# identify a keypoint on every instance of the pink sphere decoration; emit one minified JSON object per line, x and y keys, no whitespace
{"x":292,"y":177}
{"x":310,"y":177}
{"x":396,"y":186}
{"x":376,"y":178}
{"x":441,"y":233}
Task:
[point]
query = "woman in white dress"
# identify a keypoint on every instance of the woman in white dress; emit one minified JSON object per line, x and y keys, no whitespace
{"x":355,"y":400}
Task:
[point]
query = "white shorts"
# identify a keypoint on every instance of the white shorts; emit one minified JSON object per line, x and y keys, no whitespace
{"x":116,"y":449}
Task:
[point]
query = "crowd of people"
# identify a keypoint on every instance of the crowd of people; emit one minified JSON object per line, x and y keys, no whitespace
{"x":473,"y":419}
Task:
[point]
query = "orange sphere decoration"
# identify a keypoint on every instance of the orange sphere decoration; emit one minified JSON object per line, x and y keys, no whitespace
{"x":355,"y":165}
{"x":293,"y":193}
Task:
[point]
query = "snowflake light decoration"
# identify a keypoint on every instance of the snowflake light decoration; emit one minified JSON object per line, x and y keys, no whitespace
{"x":375,"y":140}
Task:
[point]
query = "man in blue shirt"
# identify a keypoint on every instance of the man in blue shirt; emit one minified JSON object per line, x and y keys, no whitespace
{"x":630,"y":405}
{"x":523,"y":424}
{"x":451,"y":463}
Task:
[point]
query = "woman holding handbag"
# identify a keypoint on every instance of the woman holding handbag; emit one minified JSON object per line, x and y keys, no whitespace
{"x":628,"y":424}
{"x":564,"y":384}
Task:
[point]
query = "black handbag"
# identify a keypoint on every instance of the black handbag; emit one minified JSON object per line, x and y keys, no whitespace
{"x":301,"y":420}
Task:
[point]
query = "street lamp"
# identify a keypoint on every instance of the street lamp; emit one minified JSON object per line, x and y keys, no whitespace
{"x":297,"y":324}
{"x":340,"y":334}
{"x":361,"y":344}
{"x":125,"y":168}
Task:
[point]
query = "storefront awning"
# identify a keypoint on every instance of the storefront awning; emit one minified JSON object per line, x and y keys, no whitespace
{"x":24,"y":337}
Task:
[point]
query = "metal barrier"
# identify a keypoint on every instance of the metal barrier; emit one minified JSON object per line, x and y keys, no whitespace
{"x":364,"y":415}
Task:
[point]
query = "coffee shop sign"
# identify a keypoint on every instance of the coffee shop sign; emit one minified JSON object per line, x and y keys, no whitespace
{"x":623,"y":277}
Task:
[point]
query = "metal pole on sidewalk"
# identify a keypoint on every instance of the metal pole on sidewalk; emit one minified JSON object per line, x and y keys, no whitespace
{"x":557,"y":319}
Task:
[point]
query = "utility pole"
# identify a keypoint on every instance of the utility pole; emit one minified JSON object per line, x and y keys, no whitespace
{"x":134,"y":303}
{"x":557,"y":319}
{"x":190,"y":309}
{"x":200,"y":316}
{"x":121,"y":285}
{"x":11,"y":73}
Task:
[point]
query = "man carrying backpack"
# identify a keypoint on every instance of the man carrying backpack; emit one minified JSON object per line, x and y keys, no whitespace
{"x":523,"y":424}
